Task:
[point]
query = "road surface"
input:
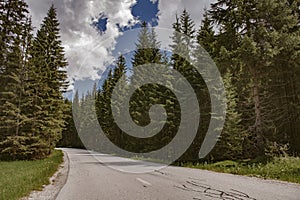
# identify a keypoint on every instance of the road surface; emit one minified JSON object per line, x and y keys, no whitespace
{"x":88,"y":179}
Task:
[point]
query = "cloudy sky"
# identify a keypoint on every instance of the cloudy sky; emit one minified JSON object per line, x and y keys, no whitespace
{"x":86,"y":24}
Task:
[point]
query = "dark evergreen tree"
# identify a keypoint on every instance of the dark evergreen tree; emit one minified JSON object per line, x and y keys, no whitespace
{"x":49,"y":82}
{"x":147,"y":52}
{"x":86,"y":122}
{"x":258,"y":31}
{"x":206,"y":35}
{"x":144,"y":47}
{"x":15,"y":36}
{"x":70,"y":137}
{"x":104,"y":104}
{"x":185,"y":51}
{"x":230,"y":143}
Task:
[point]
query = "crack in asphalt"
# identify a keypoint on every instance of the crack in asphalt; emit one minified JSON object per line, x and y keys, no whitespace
{"x":208,"y":191}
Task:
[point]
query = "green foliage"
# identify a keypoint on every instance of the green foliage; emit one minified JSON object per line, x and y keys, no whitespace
{"x":257,"y":53}
{"x":230,"y":144}
{"x":23,"y":148}
{"x":15,"y":35}
{"x":32,"y":73}
{"x":261,"y":35}
{"x":206,"y":35}
{"x":70,"y":137}
{"x":48,"y":64}
{"x":104,"y":104}
{"x":147,"y":52}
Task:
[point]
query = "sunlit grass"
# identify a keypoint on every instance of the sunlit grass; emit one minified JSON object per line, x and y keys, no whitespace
{"x":284,"y":168}
{"x":19,"y":178}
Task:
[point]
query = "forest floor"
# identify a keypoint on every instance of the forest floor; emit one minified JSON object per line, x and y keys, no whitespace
{"x":283,"y":168}
{"x":19,"y":178}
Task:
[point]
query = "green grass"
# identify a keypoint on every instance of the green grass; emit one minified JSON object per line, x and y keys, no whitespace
{"x":285,"y":168}
{"x":153,"y":160}
{"x":19,"y":178}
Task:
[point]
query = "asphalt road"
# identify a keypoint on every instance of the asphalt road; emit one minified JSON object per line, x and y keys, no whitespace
{"x":89,"y":179}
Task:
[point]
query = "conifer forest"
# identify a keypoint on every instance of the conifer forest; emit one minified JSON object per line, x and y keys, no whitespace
{"x":254,"y":43}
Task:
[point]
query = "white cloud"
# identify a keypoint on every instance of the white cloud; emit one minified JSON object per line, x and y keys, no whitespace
{"x":167,"y":16}
{"x":153,"y":1}
{"x":169,"y":9}
{"x":85,"y":55}
{"x":86,"y":50}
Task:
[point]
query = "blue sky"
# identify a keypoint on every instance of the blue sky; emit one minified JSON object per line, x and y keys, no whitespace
{"x":144,"y":10}
{"x":147,"y":11}
{"x":87,"y":53}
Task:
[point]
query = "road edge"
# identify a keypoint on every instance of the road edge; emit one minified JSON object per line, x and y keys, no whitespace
{"x":267,"y":180}
{"x":57,"y":182}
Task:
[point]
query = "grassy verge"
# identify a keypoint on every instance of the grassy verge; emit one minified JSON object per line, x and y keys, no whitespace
{"x":285,"y":169}
{"x":18,"y":179}
{"x":153,"y":160}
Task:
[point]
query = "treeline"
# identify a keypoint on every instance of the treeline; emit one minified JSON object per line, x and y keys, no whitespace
{"x":258,"y":43}
{"x":32,"y":79}
{"x":255,"y":45}
{"x":70,"y":137}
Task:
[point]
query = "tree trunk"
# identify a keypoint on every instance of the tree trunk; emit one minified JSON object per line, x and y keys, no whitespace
{"x":257,"y":128}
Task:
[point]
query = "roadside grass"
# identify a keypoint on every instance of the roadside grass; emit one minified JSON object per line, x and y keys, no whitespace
{"x":283,"y":168}
{"x":141,"y":158}
{"x":19,"y":178}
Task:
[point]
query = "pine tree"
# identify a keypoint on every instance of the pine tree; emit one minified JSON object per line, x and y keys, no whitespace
{"x":283,"y":116}
{"x":15,"y":33}
{"x":86,"y":122}
{"x":206,"y":35}
{"x":143,"y":52}
{"x":104,"y":103}
{"x":147,"y":52}
{"x":48,"y":81}
{"x":70,"y":137}
{"x":183,"y":47}
{"x":257,"y":31}
{"x":184,"y":33}
{"x":119,"y":72}
{"x":230,"y":143}
{"x":207,"y":90}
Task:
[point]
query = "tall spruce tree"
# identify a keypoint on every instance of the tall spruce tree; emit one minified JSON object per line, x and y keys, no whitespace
{"x":49,"y":81}
{"x":230,"y":143}
{"x":184,"y":44}
{"x":15,"y":36}
{"x":206,"y":35}
{"x":104,"y":103}
{"x":147,"y":52}
{"x":119,"y":72}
